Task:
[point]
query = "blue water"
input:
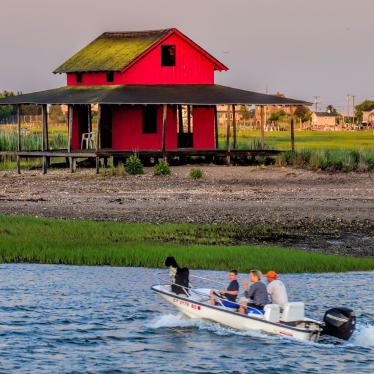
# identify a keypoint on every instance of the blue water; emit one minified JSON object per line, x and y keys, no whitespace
{"x":100,"y":319}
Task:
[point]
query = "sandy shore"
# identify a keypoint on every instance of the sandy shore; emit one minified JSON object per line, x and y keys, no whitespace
{"x":315,"y":210}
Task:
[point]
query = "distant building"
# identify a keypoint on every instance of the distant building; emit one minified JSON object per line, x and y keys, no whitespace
{"x":323,"y":121}
{"x":270,"y":109}
{"x":368,"y":116}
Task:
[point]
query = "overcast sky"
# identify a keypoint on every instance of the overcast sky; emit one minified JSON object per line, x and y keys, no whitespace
{"x":298,"y":47}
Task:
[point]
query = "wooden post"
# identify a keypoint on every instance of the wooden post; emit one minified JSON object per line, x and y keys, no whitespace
{"x":216,"y":126}
{"x":164,"y":114}
{"x":234,"y":125}
{"x":70,"y":126}
{"x":262,"y":112}
{"x":98,"y":139}
{"x":189,"y":118}
{"x":228,"y":159}
{"x":44,"y":136}
{"x":18,"y":138}
{"x":180,"y":119}
{"x":89,"y":118}
{"x":292,"y":135}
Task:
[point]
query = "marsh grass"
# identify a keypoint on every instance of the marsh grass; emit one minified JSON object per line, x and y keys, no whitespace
{"x":41,"y":240}
{"x":330,"y":160}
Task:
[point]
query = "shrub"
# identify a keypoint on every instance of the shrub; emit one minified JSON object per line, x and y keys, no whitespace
{"x":134,"y":165}
{"x":162,"y":168}
{"x":196,"y":173}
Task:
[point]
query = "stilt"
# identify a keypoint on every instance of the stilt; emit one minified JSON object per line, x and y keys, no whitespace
{"x":292,"y":135}
{"x":18,"y":138}
{"x":234,"y":125}
{"x":44,"y":136}
{"x":72,"y":164}
{"x":228,"y":158}
{"x":18,"y":165}
{"x":97,"y":165}
{"x":164,"y":114}
{"x":262,"y":124}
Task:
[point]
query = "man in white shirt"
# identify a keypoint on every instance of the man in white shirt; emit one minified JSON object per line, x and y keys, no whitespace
{"x":276,"y":289}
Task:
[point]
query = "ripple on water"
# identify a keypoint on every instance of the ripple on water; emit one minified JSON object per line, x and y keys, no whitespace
{"x":103,"y":319}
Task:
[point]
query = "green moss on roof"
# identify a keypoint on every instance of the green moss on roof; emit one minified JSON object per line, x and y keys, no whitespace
{"x":111,"y":51}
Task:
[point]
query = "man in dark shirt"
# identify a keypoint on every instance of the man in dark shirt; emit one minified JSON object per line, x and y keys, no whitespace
{"x":256,"y":295}
{"x":229,"y":294}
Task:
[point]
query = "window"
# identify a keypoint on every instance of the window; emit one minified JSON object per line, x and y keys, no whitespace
{"x":168,"y":55}
{"x":79,"y":77}
{"x":110,"y":76}
{"x":150,"y":119}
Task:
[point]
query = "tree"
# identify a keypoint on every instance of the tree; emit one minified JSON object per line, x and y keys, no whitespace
{"x":277,"y":116}
{"x":330,"y":109}
{"x":303,"y":113}
{"x":6,"y":110}
{"x":245,"y":113}
{"x":361,"y":107}
{"x":55,"y":114}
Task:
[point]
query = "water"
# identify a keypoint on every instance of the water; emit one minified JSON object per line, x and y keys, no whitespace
{"x":100,"y":319}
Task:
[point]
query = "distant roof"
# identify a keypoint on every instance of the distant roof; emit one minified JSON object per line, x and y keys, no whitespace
{"x":369,"y":109}
{"x":113,"y":51}
{"x":325,"y":114}
{"x":196,"y":94}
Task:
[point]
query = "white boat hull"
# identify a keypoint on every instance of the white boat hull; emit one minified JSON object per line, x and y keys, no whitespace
{"x":195,"y":308}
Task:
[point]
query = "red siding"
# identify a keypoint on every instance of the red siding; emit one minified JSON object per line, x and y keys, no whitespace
{"x":192,"y":67}
{"x":128,"y":134}
{"x":203,"y":127}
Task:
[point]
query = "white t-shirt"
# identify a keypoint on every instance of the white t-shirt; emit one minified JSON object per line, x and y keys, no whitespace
{"x":277,"y":292}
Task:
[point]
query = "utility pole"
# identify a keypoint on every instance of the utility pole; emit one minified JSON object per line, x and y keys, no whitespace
{"x":316,"y":101}
{"x":353,"y":108}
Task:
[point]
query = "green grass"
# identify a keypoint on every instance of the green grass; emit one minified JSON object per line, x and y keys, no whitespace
{"x":281,"y":140}
{"x":330,"y":160}
{"x":41,"y":240}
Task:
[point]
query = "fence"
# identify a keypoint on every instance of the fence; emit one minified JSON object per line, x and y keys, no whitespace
{"x":12,"y":120}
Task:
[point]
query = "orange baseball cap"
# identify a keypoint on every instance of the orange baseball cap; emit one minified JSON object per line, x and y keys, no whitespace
{"x":271,"y":274}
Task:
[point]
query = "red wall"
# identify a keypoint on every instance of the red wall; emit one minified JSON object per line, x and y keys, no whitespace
{"x":203,"y":127}
{"x":191,"y":68}
{"x":128,"y":134}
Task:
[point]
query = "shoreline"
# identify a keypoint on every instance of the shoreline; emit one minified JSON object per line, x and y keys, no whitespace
{"x":316,"y":211}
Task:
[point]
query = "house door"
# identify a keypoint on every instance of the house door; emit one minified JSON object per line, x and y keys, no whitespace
{"x":106,"y":126}
{"x":185,"y":133}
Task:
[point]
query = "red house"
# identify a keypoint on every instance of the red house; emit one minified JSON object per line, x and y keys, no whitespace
{"x":155,"y":91}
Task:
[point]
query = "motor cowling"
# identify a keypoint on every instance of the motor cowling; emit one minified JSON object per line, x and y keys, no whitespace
{"x":339,"y":322}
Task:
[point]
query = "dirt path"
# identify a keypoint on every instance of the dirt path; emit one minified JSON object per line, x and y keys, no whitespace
{"x":315,"y":210}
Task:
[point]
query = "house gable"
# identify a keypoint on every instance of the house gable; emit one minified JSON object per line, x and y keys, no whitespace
{"x":135,"y":58}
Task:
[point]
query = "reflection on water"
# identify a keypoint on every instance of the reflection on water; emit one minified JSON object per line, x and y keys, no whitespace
{"x":98,"y":319}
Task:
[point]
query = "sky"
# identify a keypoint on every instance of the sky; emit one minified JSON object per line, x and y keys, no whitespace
{"x":300,"y":48}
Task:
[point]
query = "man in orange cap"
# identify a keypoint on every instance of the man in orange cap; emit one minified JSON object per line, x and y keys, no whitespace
{"x":276,"y":289}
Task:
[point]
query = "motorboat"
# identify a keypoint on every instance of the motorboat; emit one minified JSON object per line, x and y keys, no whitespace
{"x":289,"y":322}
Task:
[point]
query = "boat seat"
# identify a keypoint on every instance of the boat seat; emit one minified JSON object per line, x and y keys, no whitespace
{"x":293,"y":312}
{"x":230,"y":304}
{"x":272,"y":312}
{"x":255,"y":311}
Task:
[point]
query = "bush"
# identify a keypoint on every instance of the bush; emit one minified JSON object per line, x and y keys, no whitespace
{"x":162,"y":168}
{"x":196,"y":173}
{"x":134,"y":165}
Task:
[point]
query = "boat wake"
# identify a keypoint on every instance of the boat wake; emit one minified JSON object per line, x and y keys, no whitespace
{"x":363,"y":336}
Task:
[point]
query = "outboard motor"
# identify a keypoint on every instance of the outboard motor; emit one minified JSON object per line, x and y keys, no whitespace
{"x":339,"y":322}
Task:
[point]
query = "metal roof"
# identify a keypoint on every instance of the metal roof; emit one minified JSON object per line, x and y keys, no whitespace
{"x":194,"y":94}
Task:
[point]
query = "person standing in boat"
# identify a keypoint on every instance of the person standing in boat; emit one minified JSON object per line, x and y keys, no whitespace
{"x":256,"y":296}
{"x":276,"y":289}
{"x":229,"y":294}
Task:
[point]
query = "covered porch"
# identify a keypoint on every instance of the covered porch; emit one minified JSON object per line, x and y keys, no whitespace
{"x":185,"y":122}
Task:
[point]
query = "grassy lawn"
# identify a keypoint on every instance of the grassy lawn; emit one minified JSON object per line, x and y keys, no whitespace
{"x":41,"y":240}
{"x":304,"y":139}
